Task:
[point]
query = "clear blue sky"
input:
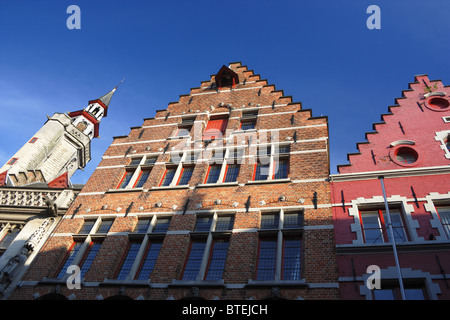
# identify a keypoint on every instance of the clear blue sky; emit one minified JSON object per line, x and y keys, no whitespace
{"x":319,"y":52}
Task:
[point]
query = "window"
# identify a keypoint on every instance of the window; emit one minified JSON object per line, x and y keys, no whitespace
{"x":223,"y":169}
{"x":87,"y":227}
{"x":185,"y":176}
{"x":281,"y":169}
{"x":185,"y":127}
{"x":291,"y":258}
{"x":406,"y":155}
{"x":142,"y":225}
{"x":267,"y":253}
{"x":13,"y":161}
{"x":194,"y":260}
{"x":248,"y":124}
{"x":269,"y":221}
{"x":213,"y":173}
{"x":248,"y":119}
{"x":137,"y":172}
{"x":168,"y":177}
{"x":224,"y":223}
{"x":392,"y":292}
{"x":33,"y":140}
{"x":149,"y":261}
{"x":142,"y":178}
{"x":231,"y":173}
{"x":104,"y":226}
{"x":437,"y":103}
{"x":161,"y":225}
{"x":143,"y":249}
{"x":280,"y":236}
{"x":216,"y":262}
{"x":203,"y":224}
{"x":128,"y":260}
{"x":89,"y":257}
{"x":444,"y":216}
{"x":374,"y":226}
{"x":69,"y":259}
{"x":272,"y":163}
{"x":207,"y":254}
{"x":125,"y":180}
{"x":215,"y":128}
{"x":183,"y":130}
{"x":261,"y":171}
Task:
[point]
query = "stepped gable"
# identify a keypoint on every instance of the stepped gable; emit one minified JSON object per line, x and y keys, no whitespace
{"x":402,"y":133}
{"x":248,"y":91}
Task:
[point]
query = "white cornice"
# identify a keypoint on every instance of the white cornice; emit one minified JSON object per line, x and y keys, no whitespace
{"x":391,"y":173}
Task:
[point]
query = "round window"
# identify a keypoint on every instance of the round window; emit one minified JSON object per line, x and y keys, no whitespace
{"x":438,"y":104}
{"x":405,"y":156}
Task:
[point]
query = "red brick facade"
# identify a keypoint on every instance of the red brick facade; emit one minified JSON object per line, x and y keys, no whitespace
{"x":220,"y":226}
{"x":409,"y":149}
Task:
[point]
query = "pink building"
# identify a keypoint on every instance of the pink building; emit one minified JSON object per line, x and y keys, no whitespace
{"x":408,"y":152}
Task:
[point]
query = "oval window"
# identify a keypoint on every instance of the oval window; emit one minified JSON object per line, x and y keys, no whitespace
{"x":438,"y":104}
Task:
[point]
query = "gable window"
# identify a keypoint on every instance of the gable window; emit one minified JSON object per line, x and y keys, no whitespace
{"x":248,"y":119}
{"x":137,"y":172}
{"x":226,"y":78}
{"x":405,"y":155}
{"x":215,"y":129}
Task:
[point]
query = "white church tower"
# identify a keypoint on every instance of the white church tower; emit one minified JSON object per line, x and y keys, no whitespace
{"x":59,"y":148}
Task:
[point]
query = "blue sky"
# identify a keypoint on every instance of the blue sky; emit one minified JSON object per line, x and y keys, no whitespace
{"x":319,"y":52}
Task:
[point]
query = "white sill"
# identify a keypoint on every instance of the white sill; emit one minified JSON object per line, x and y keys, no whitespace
{"x":243,"y":131}
{"x":269,"y":181}
{"x":184,"y":186}
{"x":217,"y":184}
{"x":125,"y":190}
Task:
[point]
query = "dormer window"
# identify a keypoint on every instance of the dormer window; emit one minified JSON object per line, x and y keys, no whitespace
{"x":226,"y":78}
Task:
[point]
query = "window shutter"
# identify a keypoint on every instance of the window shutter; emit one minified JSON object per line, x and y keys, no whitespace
{"x":215,"y":128}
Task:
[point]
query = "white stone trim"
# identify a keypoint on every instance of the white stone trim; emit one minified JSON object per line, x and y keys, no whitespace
{"x":431,"y":208}
{"x":440,"y":136}
{"x":411,"y":225}
{"x":391,"y":273}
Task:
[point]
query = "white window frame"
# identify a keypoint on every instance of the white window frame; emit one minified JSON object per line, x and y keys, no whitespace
{"x":432,"y":198}
{"x":410,"y":225}
{"x":440,"y":136}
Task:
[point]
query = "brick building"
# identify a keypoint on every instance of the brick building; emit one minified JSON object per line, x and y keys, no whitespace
{"x":223,"y":195}
{"x":408,"y":153}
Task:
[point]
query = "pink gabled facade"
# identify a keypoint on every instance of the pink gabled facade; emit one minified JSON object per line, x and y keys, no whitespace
{"x":408,"y":151}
